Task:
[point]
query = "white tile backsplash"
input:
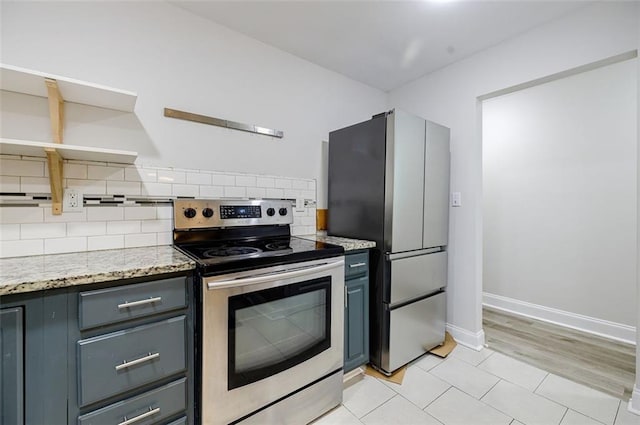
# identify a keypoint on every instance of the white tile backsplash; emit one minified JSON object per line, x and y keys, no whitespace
{"x":140,"y":239}
{"x":21,"y":248}
{"x":140,"y":213}
{"x":43,"y":230}
{"x":9,"y":232}
{"x":17,"y":215}
{"x":33,"y":230}
{"x":34,"y":185}
{"x":98,"y":172}
{"x":105,"y":242}
{"x":105,"y":213}
{"x":9,"y":184}
{"x":15,"y":167}
{"x":62,"y":245}
{"x":123,"y":188}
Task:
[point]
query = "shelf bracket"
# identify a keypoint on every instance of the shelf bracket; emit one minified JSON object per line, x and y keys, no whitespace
{"x":56,"y":109}
{"x":54,"y":162}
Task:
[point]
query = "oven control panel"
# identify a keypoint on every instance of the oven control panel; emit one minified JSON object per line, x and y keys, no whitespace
{"x":205,"y":213}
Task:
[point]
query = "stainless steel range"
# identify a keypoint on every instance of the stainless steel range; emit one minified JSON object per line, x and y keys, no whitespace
{"x":270,"y":313}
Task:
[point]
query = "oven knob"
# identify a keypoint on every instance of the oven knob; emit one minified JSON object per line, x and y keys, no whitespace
{"x":283,"y":211}
{"x":189,"y":212}
{"x":207,"y":212}
{"x":270,"y":211}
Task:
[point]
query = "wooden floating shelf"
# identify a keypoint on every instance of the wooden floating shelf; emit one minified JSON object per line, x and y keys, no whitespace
{"x":59,"y":90}
{"x":84,"y":153}
{"x":21,"y":80}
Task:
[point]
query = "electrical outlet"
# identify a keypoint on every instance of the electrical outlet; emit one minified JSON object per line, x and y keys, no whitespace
{"x":72,"y":200}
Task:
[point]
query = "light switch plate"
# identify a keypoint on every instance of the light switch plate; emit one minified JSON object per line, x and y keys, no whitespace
{"x":456,"y":199}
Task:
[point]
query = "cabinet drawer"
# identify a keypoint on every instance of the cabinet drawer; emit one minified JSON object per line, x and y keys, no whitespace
{"x":149,"y":408}
{"x":112,"y":305}
{"x":356,"y":264}
{"x":116,"y":362}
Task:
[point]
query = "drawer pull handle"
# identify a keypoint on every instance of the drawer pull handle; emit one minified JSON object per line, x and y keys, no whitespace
{"x":146,"y":358}
{"x":357,"y":265}
{"x":140,"y":417}
{"x":128,"y":304}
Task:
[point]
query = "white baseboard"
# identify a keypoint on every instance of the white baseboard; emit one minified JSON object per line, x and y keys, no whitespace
{"x":467,"y":338}
{"x":634,"y":403}
{"x":592,"y":325}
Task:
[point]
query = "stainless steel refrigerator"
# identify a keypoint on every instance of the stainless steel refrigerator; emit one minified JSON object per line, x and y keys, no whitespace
{"x":389,"y":182}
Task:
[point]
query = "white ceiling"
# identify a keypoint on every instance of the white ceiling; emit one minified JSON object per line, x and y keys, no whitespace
{"x":384,"y":44}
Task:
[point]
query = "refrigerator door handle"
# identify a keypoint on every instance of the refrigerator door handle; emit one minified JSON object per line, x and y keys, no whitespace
{"x":407,"y":254}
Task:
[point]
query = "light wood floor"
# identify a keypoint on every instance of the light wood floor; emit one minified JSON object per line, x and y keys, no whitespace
{"x":599,"y":363}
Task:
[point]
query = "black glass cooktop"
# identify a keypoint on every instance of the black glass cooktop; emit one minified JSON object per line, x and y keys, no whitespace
{"x":235,"y":255}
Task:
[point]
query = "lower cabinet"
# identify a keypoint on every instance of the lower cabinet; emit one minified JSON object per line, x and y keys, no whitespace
{"x":11,"y":366}
{"x":111,"y":353}
{"x":356,"y":314}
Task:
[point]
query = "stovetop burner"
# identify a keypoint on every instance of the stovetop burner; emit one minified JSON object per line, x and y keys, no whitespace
{"x":229,"y":251}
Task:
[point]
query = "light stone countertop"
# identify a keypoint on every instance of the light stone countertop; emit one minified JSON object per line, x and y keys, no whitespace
{"x":39,"y":272}
{"x":347,"y":243}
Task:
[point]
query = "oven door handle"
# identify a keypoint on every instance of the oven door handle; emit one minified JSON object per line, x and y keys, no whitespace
{"x":278,"y":275}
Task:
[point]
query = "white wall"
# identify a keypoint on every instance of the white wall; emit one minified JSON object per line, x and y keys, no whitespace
{"x":450,"y":97}
{"x":175,"y":59}
{"x":559,"y":189}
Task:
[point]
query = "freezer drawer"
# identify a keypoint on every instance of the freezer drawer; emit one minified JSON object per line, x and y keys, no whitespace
{"x":415,"y":329}
{"x":415,"y":276}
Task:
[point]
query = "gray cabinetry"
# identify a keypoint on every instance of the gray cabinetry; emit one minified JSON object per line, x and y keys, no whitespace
{"x":132,"y":351}
{"x":356,"y":324}
{"x":11,"y":366}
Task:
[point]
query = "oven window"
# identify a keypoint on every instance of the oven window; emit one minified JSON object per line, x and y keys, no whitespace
{"x":277,"y":328}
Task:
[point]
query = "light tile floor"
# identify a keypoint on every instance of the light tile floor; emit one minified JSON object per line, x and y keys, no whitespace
{"x":475,"y":387}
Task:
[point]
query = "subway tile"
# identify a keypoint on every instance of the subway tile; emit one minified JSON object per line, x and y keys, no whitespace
{"x":291,"y":194}
{"x":65,"y":217}
{"x":275,"y":193}
{"x":235,"y":192}
{"x":283,"y":183}
{"x":139,"y":213}
{"x":265,"y":182}
{"x":123,"y":227}
{"x":123,"y":188}
{"x":34,"y":185}
{"x":312,"y":185}
{"x":105,"y":213}
{"x":9,"y":184}
{"x":43,"y":230}
{"x":164,"y":212}
{"x":308,"y":221}
{"x":169,"y":176}
{"x":198,"y":178}
{"x":98,"y":172}
{"x":96,"y":243}
{"x":88,"y":187}
{"x":61,"y":245}
{"x":19,"y":215}
{"x":92,"y":228}
{"x":165,"y":238}
{"x":300,"y":184}
{"x":256,"y":192}
{"x":140,"y":239}
{"x":211,"y":191}
{"x":223,"y":180}
{"x":156,"y":189}
{"x":156,"y":226}
{"x":185,"y":190}
{"x":9,"y":232}
{"x":247,"y":181}
{"x":136,"y":174}
{"x":75,"y":171}
{"x":19,"y":167}
{"x":308,"y":194}
{"x":21,"y":248}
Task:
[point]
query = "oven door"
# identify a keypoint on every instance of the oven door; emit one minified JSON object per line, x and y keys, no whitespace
{"x":267,"y":333}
